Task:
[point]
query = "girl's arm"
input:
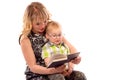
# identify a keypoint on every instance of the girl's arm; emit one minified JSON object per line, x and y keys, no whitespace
{"x":31,"y":61}
{"x":71,"y":47}
{"x":72,"y":50}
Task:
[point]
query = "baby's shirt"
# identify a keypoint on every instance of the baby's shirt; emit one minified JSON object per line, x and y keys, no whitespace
{"x":49,"y":49}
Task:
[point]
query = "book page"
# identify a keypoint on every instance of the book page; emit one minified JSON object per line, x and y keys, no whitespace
{"x":57,"y":57}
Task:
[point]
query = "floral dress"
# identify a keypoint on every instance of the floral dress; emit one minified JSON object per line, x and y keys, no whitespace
{"x":37,"y":41}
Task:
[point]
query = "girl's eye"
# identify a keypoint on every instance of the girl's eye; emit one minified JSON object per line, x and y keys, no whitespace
{"x":38,"y":23}
{"x":41,"y":23}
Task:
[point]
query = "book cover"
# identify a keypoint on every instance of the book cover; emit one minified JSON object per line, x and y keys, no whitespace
{"x":60,"y":59}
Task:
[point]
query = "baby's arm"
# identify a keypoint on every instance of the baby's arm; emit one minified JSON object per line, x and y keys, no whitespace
{"x":47,"y":60}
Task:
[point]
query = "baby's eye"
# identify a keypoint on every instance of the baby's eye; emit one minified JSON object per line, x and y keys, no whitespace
{"x":59,"y":35}
{"x":54,"y":35}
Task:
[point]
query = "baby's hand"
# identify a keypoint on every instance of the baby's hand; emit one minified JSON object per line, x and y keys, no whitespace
{"x":60,"y":68}
{"x":65,"y":73}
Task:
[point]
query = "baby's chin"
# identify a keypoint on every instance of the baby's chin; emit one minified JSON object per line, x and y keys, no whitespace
{"x":57,"y":43}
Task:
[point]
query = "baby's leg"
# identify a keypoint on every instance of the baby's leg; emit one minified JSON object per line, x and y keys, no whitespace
{"x":56,"y":77}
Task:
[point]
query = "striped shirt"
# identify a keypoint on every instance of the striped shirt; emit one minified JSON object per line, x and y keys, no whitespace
{"x":49,"y":48}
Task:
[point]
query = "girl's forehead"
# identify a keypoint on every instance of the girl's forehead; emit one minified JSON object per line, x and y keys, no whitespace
{"x":38,"y":18}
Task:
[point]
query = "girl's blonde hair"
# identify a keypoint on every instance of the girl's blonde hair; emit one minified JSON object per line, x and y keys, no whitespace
{"x":33,"y":12}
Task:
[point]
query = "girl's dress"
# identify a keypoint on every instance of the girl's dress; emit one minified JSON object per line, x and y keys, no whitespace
{"x":37,"y":41}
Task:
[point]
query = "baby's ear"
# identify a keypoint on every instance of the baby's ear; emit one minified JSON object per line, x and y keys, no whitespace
{"x":46,"y":35}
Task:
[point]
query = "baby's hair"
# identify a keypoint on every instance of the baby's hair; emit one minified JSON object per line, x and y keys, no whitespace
{"x":52,"y":25}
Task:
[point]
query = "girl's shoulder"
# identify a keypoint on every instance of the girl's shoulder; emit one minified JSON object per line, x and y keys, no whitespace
{"x":23,"y":38}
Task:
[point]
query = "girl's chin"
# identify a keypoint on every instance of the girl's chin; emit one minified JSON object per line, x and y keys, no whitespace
{"x":41,"y":31}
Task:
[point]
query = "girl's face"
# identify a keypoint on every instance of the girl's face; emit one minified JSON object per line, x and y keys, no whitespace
{"x":38,"y":27}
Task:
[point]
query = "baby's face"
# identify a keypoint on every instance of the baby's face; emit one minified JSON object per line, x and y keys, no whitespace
{"x":55,"y":36}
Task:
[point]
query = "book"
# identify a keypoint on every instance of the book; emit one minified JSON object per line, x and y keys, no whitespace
{"x":59,"y":59}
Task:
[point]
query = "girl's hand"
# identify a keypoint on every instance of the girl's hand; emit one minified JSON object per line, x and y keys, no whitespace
{"x":76,"y":60}
{"x":59,"y":69}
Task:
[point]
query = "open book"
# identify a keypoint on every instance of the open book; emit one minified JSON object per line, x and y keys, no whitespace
{"x":59,"y":59}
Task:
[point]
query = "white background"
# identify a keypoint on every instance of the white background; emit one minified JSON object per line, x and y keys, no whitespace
{"x":93,"y":26}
